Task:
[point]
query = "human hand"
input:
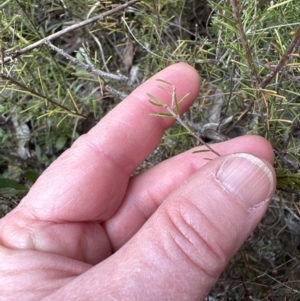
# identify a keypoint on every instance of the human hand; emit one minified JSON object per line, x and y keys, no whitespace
{"x":88,"y":231}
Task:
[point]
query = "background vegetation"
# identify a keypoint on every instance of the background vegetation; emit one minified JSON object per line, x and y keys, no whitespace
{"x":247,"y":53}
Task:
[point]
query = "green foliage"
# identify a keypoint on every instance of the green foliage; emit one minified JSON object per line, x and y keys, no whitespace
{"x":7,"y":184}
{"x":268,"y":30}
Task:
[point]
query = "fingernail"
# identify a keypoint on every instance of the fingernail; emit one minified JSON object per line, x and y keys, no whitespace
{"x":248,"y":178}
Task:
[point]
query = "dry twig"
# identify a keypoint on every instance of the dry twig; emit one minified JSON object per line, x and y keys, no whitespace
{"x":283,"y":60}
{"x":65,"y":30}
{"x":89,"y":67}
{"x":237,"y":13}
{"x":39,"y":95}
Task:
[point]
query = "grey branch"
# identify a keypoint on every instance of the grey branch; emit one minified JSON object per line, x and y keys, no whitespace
{"x":67,"y":29}
{"x":89,"y":67}
{"x":283,"y":60}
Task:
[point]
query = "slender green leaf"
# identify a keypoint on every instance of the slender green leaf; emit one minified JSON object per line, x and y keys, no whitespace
{"x":155,"y":98}
{"x":155,"y":103}
{"x":9,"y":183}
{"x":164,"y":81}
{"x":161,"y":115}
{"x":201,"y":151}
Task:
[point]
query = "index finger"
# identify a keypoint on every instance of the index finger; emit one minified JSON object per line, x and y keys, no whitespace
{"x":89,"y":181}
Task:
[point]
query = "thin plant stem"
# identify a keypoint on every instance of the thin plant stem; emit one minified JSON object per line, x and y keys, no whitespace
{"x":67,"y":29}
{"x":283,"y":60}
{"x":39,"y":95}
{"x":198,"y":138}
{"x":174,"y":112}
{"x":89,"y":67}
{"x":237,"y":13}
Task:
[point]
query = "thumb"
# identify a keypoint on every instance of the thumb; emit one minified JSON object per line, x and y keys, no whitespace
{"x":182,"y":249}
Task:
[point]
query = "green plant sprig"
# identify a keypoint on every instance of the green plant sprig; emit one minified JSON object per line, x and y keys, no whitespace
{"x":173,"y":111}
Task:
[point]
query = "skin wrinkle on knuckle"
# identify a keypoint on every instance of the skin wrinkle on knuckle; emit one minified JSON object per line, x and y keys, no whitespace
{"x":148,"y":200}
{"x":154,"y":196}
{"x":218,"y":251}
{"x":87,"y":143}
{"x":187,"y":238}
{"x":141,"y":206}
{"x":14,"y":236}
{"x":142,"y":200}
